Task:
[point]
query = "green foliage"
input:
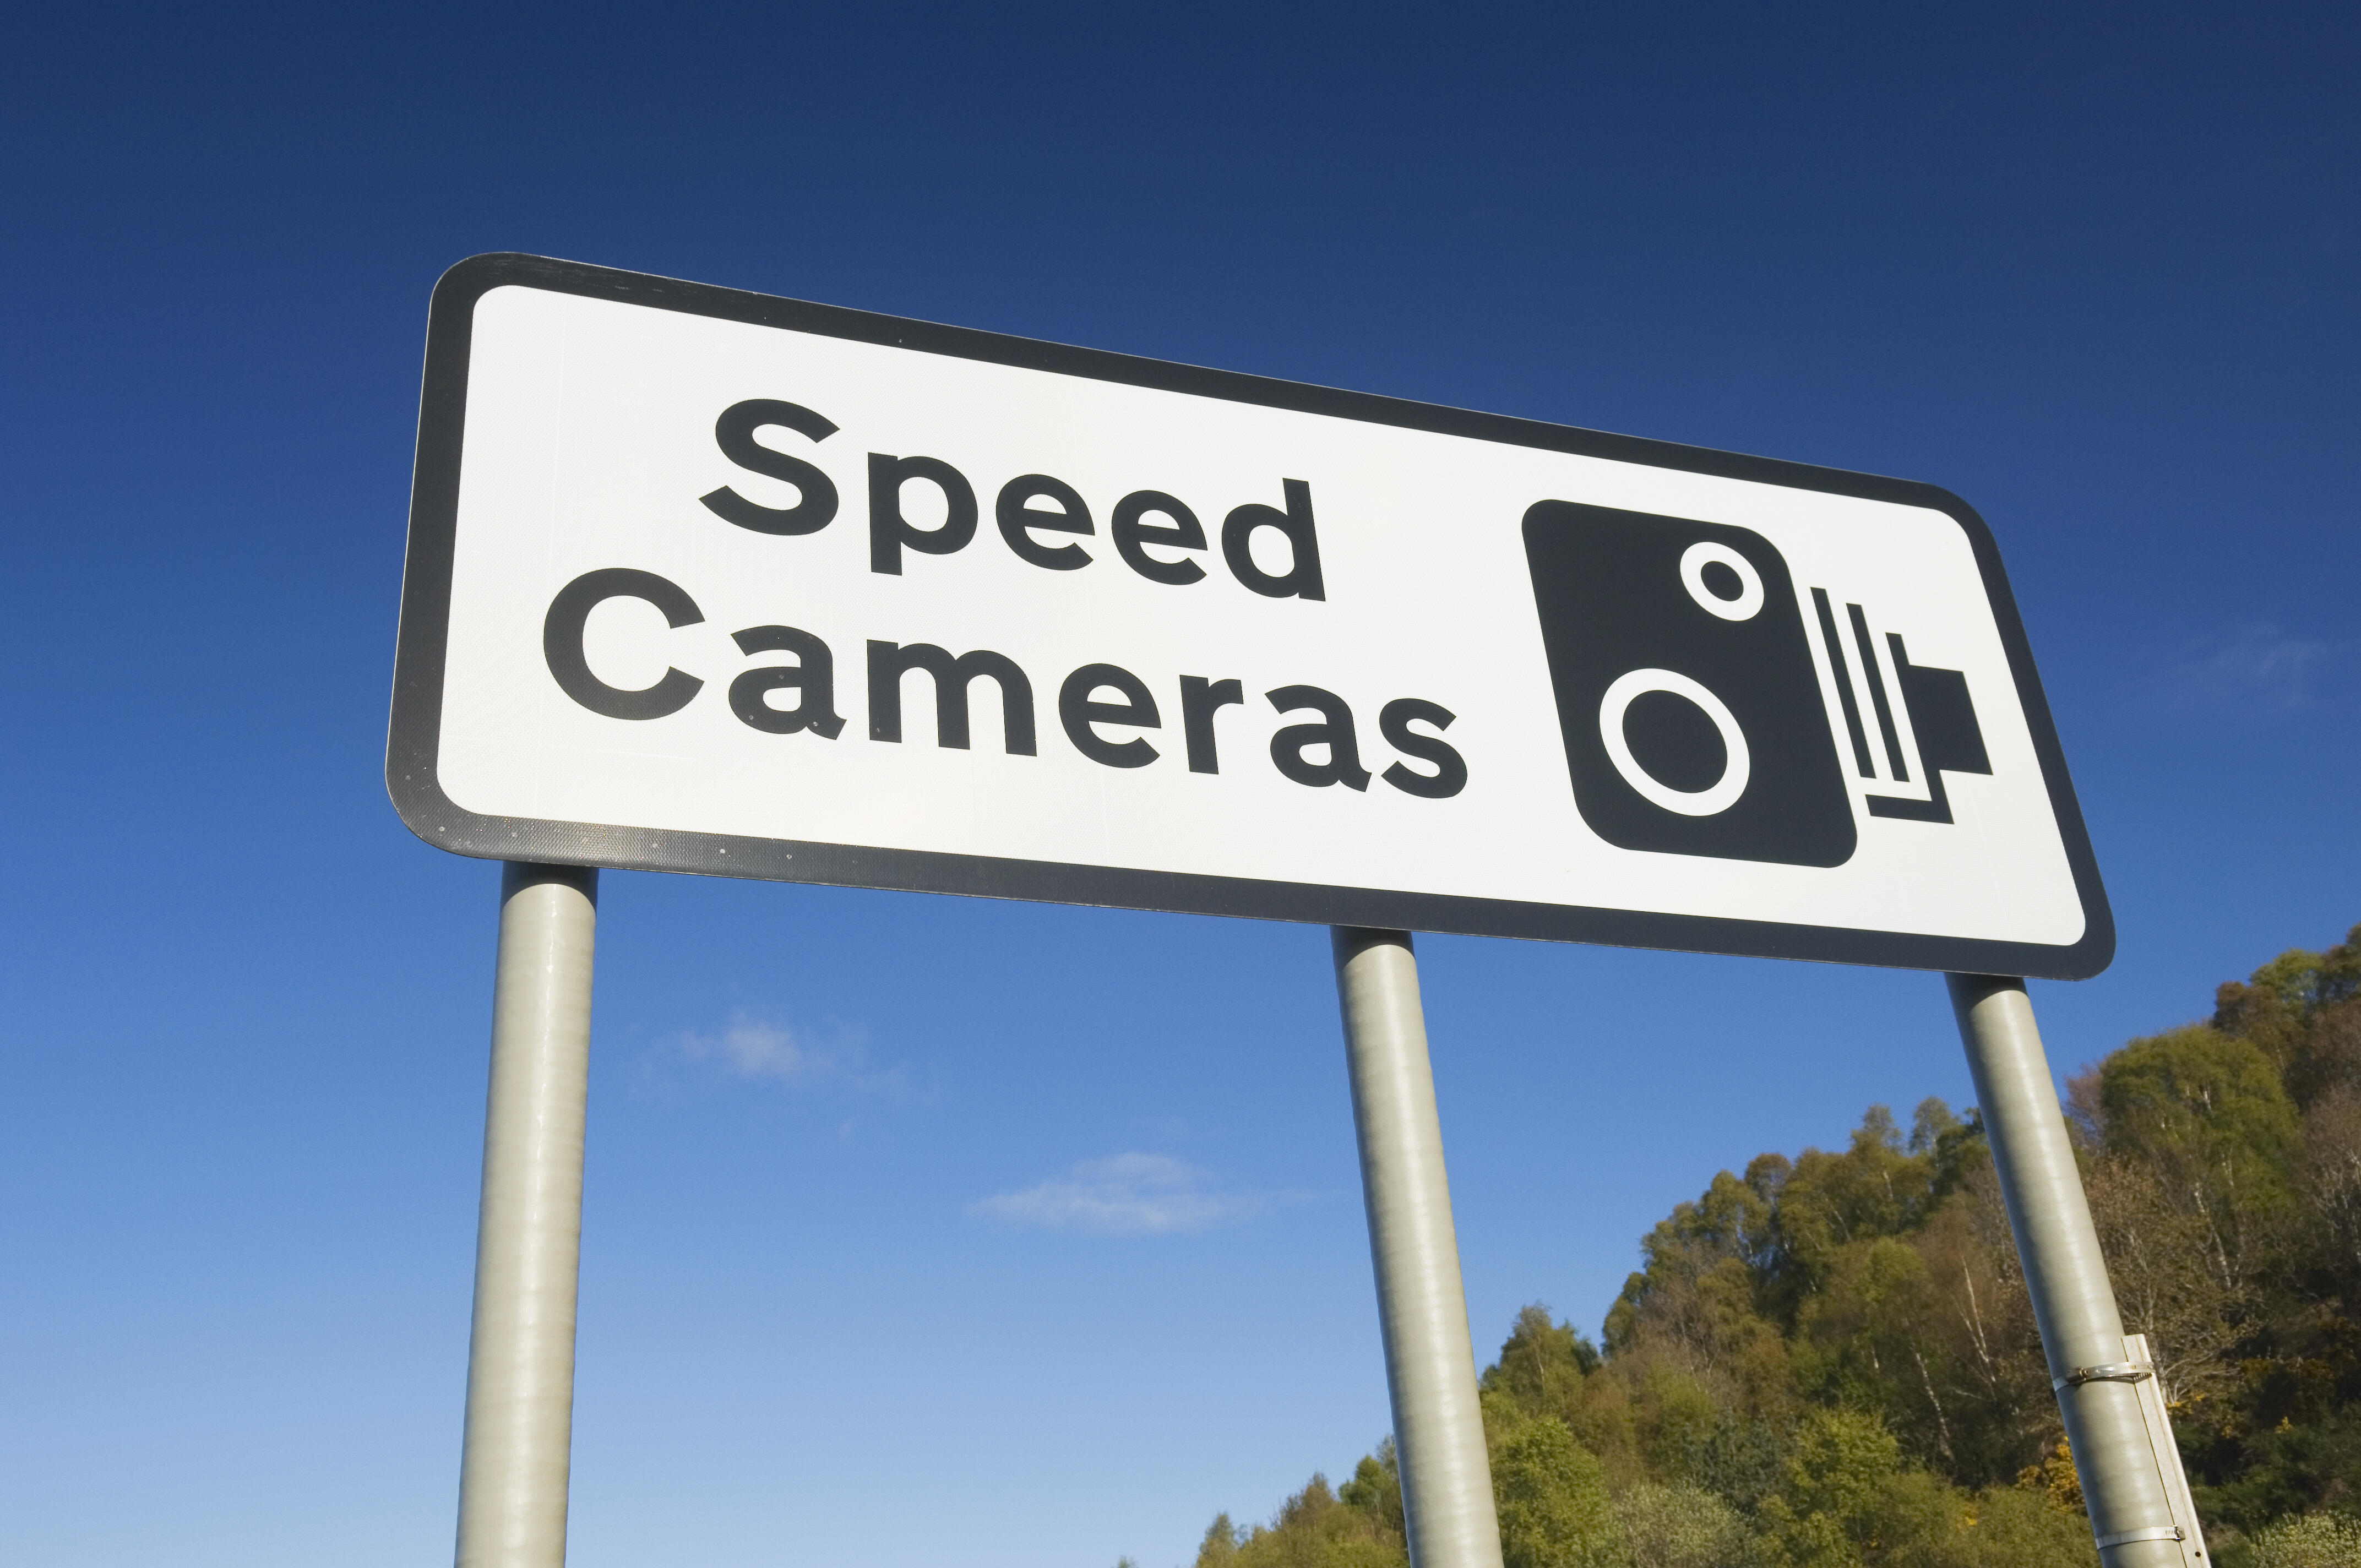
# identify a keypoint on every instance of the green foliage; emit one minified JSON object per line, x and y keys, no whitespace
{"x":1375,"y":1489}
{"x":1552,"y":1497}
{"x":2304,"y":1011}
{"x":1850,"y":1500}
{"x":1684,"y":1526}
{"x":2252,"y":1477}
{"x":1830,"y":1361}
{"x":1878,"y":1187}
{"x":2314,"y":1541}
{"x":1314,"y":1529}
{"x":1542,"y":1365}
{"x":2011,"y":1527}
{"x":2209,"y":1112}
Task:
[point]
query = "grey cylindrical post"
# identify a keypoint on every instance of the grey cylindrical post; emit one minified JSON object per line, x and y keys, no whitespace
{"x":1422,"y":1306}
{"x":512,"y":1473}
{"x":2072,"y":1300}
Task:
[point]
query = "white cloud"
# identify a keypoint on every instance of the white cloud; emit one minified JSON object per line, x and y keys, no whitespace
{"x":1125,"y":1195}
{"x":2252,"y":671}
{"x":758,"y":1048}
{"x":752,"y":1048}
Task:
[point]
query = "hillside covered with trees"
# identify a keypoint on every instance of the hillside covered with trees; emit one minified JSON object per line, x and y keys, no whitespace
{"x":1830,"y":1361}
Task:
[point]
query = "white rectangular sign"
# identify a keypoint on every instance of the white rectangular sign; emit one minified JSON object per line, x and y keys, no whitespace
{"x":707,"y":581}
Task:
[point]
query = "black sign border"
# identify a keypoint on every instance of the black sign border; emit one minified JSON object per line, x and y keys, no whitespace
{"x":414,"y":733}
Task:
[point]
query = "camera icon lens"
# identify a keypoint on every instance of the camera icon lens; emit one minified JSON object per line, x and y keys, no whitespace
{"x":1687,"y":697}
{"x":1615,"y":708}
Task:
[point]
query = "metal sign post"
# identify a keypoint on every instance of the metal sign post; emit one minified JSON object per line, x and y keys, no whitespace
{"x":706,"y":581}
{"x":520,"y":1433}
{"x":1422,"y":1307}
{"x":2116,"y":1450}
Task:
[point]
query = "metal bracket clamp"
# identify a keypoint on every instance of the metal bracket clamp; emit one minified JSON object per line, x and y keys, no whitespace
{"x":2153,"y":1532}
{"x":2105,"y":1372}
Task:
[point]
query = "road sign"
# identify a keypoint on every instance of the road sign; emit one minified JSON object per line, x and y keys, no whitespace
{"x":708,"y":581}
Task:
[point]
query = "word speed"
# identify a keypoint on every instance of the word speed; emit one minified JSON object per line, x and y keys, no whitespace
{"x":714,"y":582}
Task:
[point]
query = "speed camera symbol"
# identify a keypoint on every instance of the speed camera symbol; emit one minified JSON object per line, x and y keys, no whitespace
{"x":1692,"y":713}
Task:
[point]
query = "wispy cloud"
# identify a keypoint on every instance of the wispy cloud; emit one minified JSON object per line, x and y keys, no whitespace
{"x":764,"y":1050}
{"x":2255,"y":672}
{"x":1125,"y":1195}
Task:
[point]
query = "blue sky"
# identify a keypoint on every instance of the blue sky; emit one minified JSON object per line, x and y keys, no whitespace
{"x":925,"y":1230}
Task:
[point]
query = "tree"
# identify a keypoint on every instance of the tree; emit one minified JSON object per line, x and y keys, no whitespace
{"x":2304,"y":1011}
{"x":2153,"y":1246}
{"x":2332,"y":1186}
{"x":1851,"y":1502}
{"x":2315,"y":1541}
{"x":1697,"y":1303}
{"x":1375,"y":1489}
{"x":1684,"y":1526}
{"x":1551,"y":1494}
{"x":2009,"y":1528}
{"x":1542,"y":1365}
{"x":1313,"y":1528}
{"x":1830,"y":1361}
